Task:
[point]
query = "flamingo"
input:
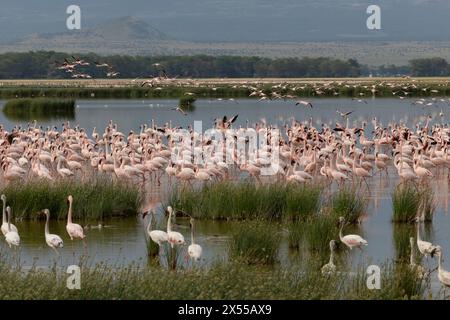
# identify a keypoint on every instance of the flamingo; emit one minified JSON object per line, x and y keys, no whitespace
{"x":157,"y":236}
{"x":412,"y":260}
{"x":5,"y":228}
{"x":74,"y":230}
{"x":11,"y":237}
{"x":194,"y":250}
{"x":426,"y":248}
{"x":173,"y":237}
{"x":53,"y":240}
{"x":330,"y":267}
{"x":443,"y":275}
{"x":351,"y":240}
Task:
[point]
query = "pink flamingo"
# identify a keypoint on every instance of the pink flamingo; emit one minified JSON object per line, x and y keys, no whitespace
{"x":74,"y":230}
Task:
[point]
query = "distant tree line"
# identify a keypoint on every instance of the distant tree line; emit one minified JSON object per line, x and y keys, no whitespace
{"x":43,"y":65}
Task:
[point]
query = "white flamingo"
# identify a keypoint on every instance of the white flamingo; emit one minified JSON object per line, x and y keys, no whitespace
{"x":351,"y":240}
{"x":173,"y":237}
{"x":11,"y":237}
{"x":330,"y":267}
{"x":157,"y":236}
{"x":53,"y":240}
{"x":194,"y":250}
{"x":5,"y":227}
{"x":443,"y":275}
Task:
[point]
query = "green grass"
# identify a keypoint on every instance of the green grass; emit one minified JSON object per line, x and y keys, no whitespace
{"x":347,"y":202}
{"x":39,"y":109}
{"x":95,"y":199}
{"x":318,"y":232}
{"x":302,"y":201}
{"x":427,"y":203}
{"x":220,"y":282}
{"x":254,"y":242}
{"x":406,"y":201}
{"x":401,"y":234}
{"x":112,"y":90}
{"x":246,"y":200}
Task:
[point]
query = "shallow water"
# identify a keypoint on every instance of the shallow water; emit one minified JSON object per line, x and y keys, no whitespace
{"x":123,"y":240}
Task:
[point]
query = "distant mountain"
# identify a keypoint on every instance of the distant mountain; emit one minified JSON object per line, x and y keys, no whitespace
{"x":123,"y":29}
{"x":126,"y":28}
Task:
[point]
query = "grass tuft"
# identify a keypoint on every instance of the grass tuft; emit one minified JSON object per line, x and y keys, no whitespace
{"x":94,"y":199}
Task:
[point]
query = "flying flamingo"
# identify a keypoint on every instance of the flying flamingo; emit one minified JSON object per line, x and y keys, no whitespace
{"x":351,"y":240}
{"x":74,"y":230}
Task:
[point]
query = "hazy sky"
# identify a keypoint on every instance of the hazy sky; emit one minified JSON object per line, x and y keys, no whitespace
{"x":241,"y":20}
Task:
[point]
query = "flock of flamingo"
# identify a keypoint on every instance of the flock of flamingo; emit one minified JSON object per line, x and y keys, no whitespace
{"x":340,"y":154}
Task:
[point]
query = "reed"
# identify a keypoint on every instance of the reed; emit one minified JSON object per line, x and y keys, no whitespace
{"x":222,"y":281}
{"x":94,"y":199}
{"x":245,"y":200}
{"x":39,"y":109}
{"x":303,"y":201}
{"x":401,"y":234}
{"x":427,"y":204}
{"x":254,"y":243}
{"x":349,"y":203}
{"x":406,"y":201}
{"x":318,"y":232}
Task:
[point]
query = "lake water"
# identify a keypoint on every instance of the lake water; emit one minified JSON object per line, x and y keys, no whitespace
{"x":123,"y":240}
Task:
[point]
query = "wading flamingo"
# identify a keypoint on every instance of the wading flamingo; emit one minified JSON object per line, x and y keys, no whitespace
{"x":5,"y":227}
{"x":194,"y":250}
{"x":11,"y":237}
{"x":330,"y":267}
{"x":53,"y":240}
{"x":74,"y":230}
{"x":174,"y":238}
{"x":443,"y":275}
{"x":157,"y":236}
{"x":351,"y":240}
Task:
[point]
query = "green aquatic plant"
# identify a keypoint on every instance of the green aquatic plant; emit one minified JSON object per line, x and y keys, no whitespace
{"x":302,"y":201}
{"x":254,"y":242}
{"x":93,"y":199}
{"x":223,"y":281}
{"x":246,"y":200}
{"x":349,"y":203}
{"x":406,"y":201}
{"x":427,"y":204}
{"x":39,"y":109}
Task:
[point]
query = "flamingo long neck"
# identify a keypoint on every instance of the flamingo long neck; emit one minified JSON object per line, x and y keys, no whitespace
{"x":149,"y":226}
{"x":331,"y":256}
{"x":4,"y":212}
{"x":169,"y":222}
{"x":412,"y":258}
{"x":9,"y":220}
{"x":46,"y":223}
{"x":340,"y":232}
{"x":418,"y":233}
{"x":69,"y":215}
